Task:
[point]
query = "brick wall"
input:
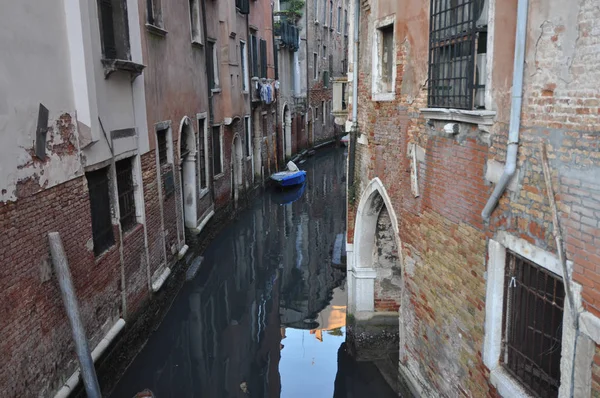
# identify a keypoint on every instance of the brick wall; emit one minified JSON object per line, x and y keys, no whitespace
{"x":444,"y":239}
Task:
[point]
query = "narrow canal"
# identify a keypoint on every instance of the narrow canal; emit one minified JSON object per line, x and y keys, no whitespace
{"x":265,"y":315}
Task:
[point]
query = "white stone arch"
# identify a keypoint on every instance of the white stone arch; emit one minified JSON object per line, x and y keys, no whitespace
{"x":188,"y":167}
{"x":286,"y":131}
{"x":237,"y":169}
{"x":362,"y":272}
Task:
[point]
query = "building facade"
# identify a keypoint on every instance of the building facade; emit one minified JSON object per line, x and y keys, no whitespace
{"x":450,"y":223}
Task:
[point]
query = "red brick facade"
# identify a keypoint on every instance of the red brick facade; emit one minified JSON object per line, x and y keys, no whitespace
{"x":445,"y":241}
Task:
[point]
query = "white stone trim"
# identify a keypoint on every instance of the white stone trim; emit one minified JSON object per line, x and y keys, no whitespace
{"x":376,"y":91}
{"x":483,"y":117}
{"x":507,"y":386}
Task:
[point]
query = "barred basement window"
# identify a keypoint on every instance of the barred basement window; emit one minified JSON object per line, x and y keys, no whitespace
{"x":532,"y":342}
{"x":102,"y":229}
{"x":114,"y":30}
{"x":457,"y":47}
{"x":216,"y":146}
{"x":126,"y":191}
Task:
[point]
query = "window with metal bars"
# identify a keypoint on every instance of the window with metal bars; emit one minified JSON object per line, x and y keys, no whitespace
{"x":533,"y":316}
{"x":126,"y":192}
{"x":161,"y":138}
{"x":457,"y":42}
{"x":203,"y":155}
{"x":102,"y":229}
{"x":114,"y":29}
{"x":216,"y":146}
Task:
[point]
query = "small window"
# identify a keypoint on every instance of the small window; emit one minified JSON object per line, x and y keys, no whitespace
{"x":344,"y":104}
{"x":255,"y":58}
{"x":324,"y":111}
{"x":102,"y":229}
{"x":244,"y":64}
{"x":331,"y":14}
{"x":264,"y":125}
{"x":263,"y":58}
{"x":216,"y":146}
{"x":243,"y":6}
{"x":339,"y":20}
{"x":387,"y":57}
{"x":161,"y":138}
{"x":324,"y":55}
{"x":203,"y":153}
{"x":213,"y":71}
{"x":154,"y":13}
{"x":315,"y":66}
{"x":346,"y":22}
{"x":325,"y":12}
{"x":326,"y":78}
{"x":316,"y":10}
{"x":126,"y":191}
{"x":532,"y":343}
{"x":457,"y":54}
{"x":114,"y":29}
{"x":248,"y":135}
{"x":196,"y":27}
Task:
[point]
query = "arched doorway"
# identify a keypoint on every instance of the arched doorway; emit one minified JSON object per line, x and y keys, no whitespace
{"x":237,"y":157}
{"x":287,"y":132}
{"x":377,"y":264}
{"x":187,"y":158}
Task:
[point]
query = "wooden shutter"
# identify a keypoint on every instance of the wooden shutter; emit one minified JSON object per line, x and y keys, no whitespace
{"x":255,"y":59}
{"x":263,"y":58}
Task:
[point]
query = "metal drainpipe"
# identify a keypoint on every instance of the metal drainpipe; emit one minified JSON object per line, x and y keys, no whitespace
{"x":354,"y":128}
{"x":211,"y":116}
{"x":515,"y":110}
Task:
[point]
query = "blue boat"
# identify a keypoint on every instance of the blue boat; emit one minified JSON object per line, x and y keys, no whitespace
{"x":291,"y":177}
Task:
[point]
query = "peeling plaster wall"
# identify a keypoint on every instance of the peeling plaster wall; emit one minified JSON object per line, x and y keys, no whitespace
{"x":34,"y":70}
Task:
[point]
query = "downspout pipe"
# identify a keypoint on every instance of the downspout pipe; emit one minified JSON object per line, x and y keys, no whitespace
{"x":355,"y":69}
{"x":515,"y":110}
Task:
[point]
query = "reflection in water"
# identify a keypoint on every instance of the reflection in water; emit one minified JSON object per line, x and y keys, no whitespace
{"x":265,"y":315}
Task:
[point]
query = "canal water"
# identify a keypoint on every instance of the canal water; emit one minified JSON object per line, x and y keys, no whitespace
{"x":265,"y":314}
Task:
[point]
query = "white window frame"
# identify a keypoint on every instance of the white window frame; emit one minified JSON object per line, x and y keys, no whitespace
{"x":215,"y":67}
{"x":317,"y":12}
{"x":248,"y":128}
{"x":494,"y":313}
{"x":195,"y":11}
{"x":323,"y":106}
{"x":376,"y":72}
{"x":244,"y":63}
{"x":204,"y":191}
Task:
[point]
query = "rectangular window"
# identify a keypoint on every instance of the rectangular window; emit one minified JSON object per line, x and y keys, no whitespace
{"x":316,"y":10}
{"x":248,"y":135}
{"x":534,"y":300}
{"x":264,"y":125}
{"x":154,"y":13}
{"x":216,"y":146}
{"x":102,"y":229}
{"x":325,"y":12}
{"x":315,"y":66}
{"x":196,"y":28}
{"x":326,"y":78}
{"x":263,"y":58}
{"x":202,"y":149}
{"x":213,"y":72}
{"x":114,"y":30}
{"x":243,"y":6}
{"x":457,"y":36}
{"x":331,"y":14}
{"x":255,"y":57}
{"x":161,"y":138}
{"x":324,"y":52}
{"x":387,"y":57}
{"x":125,"y":189}
{"x":324,"y":111}
{"x":346,"y":22}
{"x":344,"y":104}
{"x":244,"y":62}
{"x":339,"y":20}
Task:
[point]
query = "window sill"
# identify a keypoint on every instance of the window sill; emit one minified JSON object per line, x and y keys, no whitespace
{"x":506,"y":385}
{"x":156,"y":30}
{"x":482,"y":117}
{"x":245,"y":92}
{"x":132,"y":230}
{"x":203,"y":193}
{"x":219,"y":176}
{"x":248,"y":157}
{"x":197,"y":43}
{"x":383,"y":96}
{"x":215,"y":90}
{"x":113,"y":65}
{"x":316,"y":22}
